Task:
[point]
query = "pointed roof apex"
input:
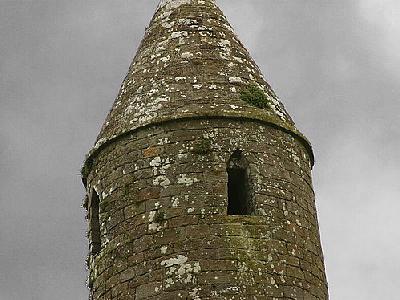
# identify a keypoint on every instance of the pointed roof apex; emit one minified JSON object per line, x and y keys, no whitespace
{"x":173,"y":3}
{"x":190,"y":64}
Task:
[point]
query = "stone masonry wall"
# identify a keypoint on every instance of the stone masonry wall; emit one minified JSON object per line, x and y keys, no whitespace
{"x":165,"y":231}
{"x":189,"y":62}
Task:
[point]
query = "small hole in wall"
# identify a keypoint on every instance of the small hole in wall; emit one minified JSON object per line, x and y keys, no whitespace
{"x":94,"y":224}
{"x":239,"y":196}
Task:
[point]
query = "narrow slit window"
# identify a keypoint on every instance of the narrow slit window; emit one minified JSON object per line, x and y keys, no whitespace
{"x":239,"y":200}
{"x":95,"y":240}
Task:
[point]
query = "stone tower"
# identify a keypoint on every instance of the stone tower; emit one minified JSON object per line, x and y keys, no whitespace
{"x":199,"y":184}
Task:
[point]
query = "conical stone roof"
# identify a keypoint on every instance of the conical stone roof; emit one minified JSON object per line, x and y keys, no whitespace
{"x":190,"y":64}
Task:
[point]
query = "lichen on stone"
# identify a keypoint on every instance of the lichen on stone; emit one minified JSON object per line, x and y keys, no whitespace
{"x":192,"y":96}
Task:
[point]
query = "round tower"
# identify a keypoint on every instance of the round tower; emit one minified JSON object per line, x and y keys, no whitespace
{"x":199,"y":184}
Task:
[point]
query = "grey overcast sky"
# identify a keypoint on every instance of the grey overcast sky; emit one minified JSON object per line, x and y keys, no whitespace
{"x":335,"y":64}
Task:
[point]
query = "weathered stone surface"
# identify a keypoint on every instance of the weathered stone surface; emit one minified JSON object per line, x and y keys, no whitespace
{"x":271,"y":251}
{"x":190,"y":63}
{"x":160,"y":170}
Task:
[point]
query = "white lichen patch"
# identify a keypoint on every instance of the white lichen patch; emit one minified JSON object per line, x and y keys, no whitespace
{"x":194,"y":294}
{"x":242,"y":267}
{"x":262,"y":212}
{"x":153,"y":225}
{"x":163,"y":141}
{"x":165,"y":59}
{"x":250,"y":70}
{"x":235,"y":80}
{"x":184,"y":179}
{"x":180,"y":260}
{"x":175,"y":201}
{"x":277,"y":107}
{"x":294,"y":156}
{"x":178,"y":34}
{"x":238,"y":59}
{"x":142,"y":112}
{"x":224,"y":43}
{"x":160,"y":166}
{"x":179,"y":270}
{"x":167,"y":24}
{"x":105,"y":194}
{"x":285,"y":211}
{"x":162,"y":180}
{"x":155,"y":162}
{"x":186,"y":55}
{"x":171,"y":4}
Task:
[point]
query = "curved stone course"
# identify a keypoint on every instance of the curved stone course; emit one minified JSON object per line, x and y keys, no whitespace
{"x":165,"y":232}
{"x":159,"y":171}
{"x":189,"y":60}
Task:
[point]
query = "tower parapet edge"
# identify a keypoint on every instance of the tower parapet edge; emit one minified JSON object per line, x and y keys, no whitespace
{"x":199,"y":184}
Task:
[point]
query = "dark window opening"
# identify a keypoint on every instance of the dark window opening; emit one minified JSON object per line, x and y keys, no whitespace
{"x":239,"y":200}
{"x":95,"y":239}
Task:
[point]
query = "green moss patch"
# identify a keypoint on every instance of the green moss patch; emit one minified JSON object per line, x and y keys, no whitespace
{"x":87,"y":166}
{"x":202,"y":147}
{"x":255,"y":96}
{"x":159,"y":217}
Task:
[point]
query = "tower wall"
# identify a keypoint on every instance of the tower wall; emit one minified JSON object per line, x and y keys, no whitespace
{"x":165,"y":232}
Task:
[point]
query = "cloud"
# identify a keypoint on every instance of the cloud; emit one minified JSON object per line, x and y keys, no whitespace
{"x":333,"y":63}
{"x":384,"y":17}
